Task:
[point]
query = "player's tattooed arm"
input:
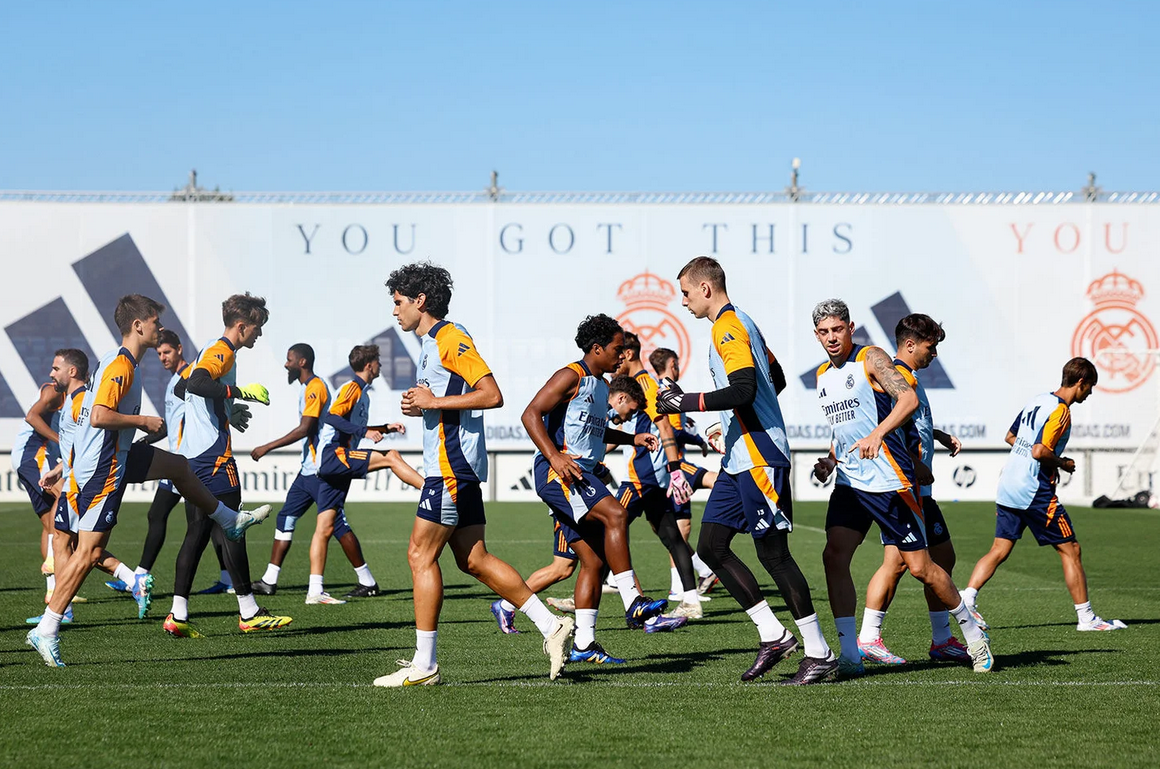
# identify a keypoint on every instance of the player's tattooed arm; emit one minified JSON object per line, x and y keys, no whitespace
{"x":882,"y":371}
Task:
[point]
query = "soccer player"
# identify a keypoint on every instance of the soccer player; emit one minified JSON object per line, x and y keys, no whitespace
{"x":1026,"y":497}
{"x":70,"y":370}
{"x":916,"y":337}
{"x":210,"y":392}
{"x":752,"y":492}
{"x":667,"y":365}
{"x":454,"y":385}
{"x":869,"y":406}
{"x":105,"y":460}
{"x":35,"y":452}
{"x":340,"y":461}
{"x":568,"y":421}
{"x":656,"y":483}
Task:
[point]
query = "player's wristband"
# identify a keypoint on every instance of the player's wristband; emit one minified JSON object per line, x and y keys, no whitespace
{"x":674,"y":466}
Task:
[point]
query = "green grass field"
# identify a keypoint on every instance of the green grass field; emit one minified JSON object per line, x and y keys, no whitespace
{"x":131,"y":696}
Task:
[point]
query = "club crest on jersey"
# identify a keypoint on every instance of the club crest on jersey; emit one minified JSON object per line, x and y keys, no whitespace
{"x":647,"y":298}
{"x":850,"y":382}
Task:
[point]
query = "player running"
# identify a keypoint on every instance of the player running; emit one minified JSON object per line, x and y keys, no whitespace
{"x":210,"y":392}
{"x":454,"y":385}
{"x":313,"y":406}
{"x":752,"y":492}
{"x":35,"y":452}
{"x":869,"y":406}
{"x":916,"y":337}
{"x":667,"y":366}
{"x":340,"y":461}
{"x":656,"y":484}
{"x":105,"y":460}
{"x":568,"y":421}
{"x":1026,"y":498}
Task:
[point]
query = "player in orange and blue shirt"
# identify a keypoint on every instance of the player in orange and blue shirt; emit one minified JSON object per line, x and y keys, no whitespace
{"x":210,"y":393}
{"x":752,"y":492}
{"x":35,"y":452}
{"x":454,"y":384}
{"x":869,"y":406}
{"x":1026,"y":498}
{"x":667,"y":365}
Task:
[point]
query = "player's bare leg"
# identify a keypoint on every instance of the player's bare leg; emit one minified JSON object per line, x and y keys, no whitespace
{"x":986,"y":566}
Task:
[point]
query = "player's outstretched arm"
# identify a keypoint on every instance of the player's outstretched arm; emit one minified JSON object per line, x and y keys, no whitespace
{"x":305,"y":426}
{"x":47,"y":402}
{"x":105,"y":418}
{"x":555,"y":391}
{"x":741,"y":391}
{"x":950,"y":442}
{"x":881,"y":371}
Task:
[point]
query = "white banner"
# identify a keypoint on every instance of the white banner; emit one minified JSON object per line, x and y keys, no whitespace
{"x":1019,"y":288}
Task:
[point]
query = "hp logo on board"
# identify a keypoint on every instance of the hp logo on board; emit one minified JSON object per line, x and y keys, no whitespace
{"x":965,"y":476}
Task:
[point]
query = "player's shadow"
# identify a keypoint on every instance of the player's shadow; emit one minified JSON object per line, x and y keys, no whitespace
{"x":325,"y":629}
{"x":1044,"y":657}
{"x":652,"y":664}
{"x":272,"y":653}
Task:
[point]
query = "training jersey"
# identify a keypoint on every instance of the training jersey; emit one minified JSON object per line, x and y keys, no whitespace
{"x":453,"y":441}
{"x":754,"y":434}
{"x":98,"y":455}
{"x":175,"y":408}
{"x":923,"y":419}
{"x":69,"y":417}
{"x":313,"y":402}
{"x":346,"y":421}
{"x":855,"y":407}
{"x":647,"y":469}
{"x":30,"y":444}
{"x":205,"y":438}
{"x":1024,"y":483}
{"x":577,"y":425}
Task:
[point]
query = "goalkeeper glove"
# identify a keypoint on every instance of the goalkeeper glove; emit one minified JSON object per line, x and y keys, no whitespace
{"x":672,"y":400}
{"x":255,"y":393}
{"x":679,"y":488}
{"x":240,"y":417}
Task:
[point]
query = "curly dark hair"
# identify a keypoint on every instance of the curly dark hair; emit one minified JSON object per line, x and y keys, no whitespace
{"x":431,"y":280}
{"x":596,"y":330}
{"x":629,"y":386}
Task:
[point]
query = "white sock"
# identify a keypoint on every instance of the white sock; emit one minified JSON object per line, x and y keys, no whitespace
{"x":507,"y":605}
{"x":971,"y":631}
{"x":626,"y":584}
{"x":224,"y":516}
{"x":871,"y":625}
{"x":247,"y":605}
{"x":365,"y":577}
{"x":811,"y":633}
{"x":610,"y":580}
{"x":675,"y":585}
{"x":768,"y":628}
{"x":125,"y":574}
{"x":315,"y":585}
{"x":180,"y":608}
{"x":940,"y":626}
{"x":49,"y":625}
{"x":848,"y":638}
{"x":140,"y":570}
{"x":50,"y":582}
{"x":425,"y":650}
{"x":691,"y":597}
{"x":225,"y":578}
{"x":1084,"y":612}
{"x":585,"y":628}
{"x":700,"y":566}
{"x":271,"y":575}
{"x":541,"y":616}
{"x":970,"y":595}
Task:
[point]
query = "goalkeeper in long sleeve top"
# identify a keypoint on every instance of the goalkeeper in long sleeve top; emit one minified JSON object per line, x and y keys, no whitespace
{"x":752,"y":492}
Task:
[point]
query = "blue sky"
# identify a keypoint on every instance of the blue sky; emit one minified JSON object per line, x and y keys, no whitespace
{"x":907,"y":96}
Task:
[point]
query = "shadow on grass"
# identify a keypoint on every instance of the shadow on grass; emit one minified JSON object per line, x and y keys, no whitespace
{"x":651,"y":664}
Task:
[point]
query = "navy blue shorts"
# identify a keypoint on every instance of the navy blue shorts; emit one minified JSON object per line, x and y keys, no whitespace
{"x":100,"y":512}
{"x":29,"y":476}
{"x":572,"y":501}
{"x":897,"y":513}
{"x":561,"y":544}
{"x":757,"y":501}
{"x":936,"y":525}
{"x":338,"y":469}
{"x":650,"y":501}
{"x":303,"y":493}
{"x":66,"y":518}
{"x":452,"y":502}
{"x":1050,"y":525}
